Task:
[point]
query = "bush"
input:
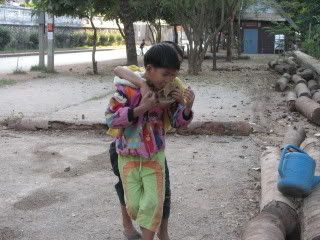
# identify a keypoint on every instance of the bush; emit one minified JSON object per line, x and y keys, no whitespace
{"x":119,"y":39}
{"x":312,"y":46}
{"x":20,"y":40}
{"x":90,"y":39}
{"x":5,"y":38}
{"x":34,"y":40}
{"x":78,"y":39}
{"x":62,"y":40}
{"x":103,"y":40}
{"x":112,"y":39}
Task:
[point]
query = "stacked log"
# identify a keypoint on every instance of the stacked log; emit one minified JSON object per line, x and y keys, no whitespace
{"x":316,"y":97}
{"x":291,"y":101}
{"x":278,"y":218}
{"x":311,"y":205}
{"x":302,"y":89}
{"x":309,"y":108}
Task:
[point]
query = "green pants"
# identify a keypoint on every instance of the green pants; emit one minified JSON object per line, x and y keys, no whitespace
{"x":143,"y":183}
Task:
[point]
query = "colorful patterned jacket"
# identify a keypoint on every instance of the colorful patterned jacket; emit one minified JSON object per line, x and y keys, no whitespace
{"x":145,"y":135}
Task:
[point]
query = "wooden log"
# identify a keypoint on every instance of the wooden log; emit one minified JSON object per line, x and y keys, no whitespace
{"x":313,"y":85}
{"x":316,"y":97}
{"x":298,"y":79}
{"x":273,"y":201}
{"x":302,"y":90}
{"x":294,"y":136}
{"x":282,"y":84}
{"x":285,"y":68}
{"x":280,"y":68}
{"x":272,"y":63}
{"x":309,"y":108}
{"x":287,"y":75}
{"x":291,"y":101}
{"x":311,"y":206}
{"x":307,"y":74}
{"x":291,"y":62}
{"x":265,"y":226}
{"x":217,"y":128}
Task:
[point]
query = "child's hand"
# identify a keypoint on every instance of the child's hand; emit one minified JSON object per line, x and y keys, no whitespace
{"x":144,"y":88}
{"x":189,"y":98}
{"x":178,"y":96}
{"x":148,"y":101}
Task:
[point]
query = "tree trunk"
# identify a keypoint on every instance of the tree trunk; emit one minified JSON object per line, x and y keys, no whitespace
{"x":176,"y":36}
{"x":125,"y":16}
{"x":272,"y":201}
{"x":217,"y":128}
{"x":294,"y":136}
{"x":311,"y":204}
{"x":130,"y":43}
{"x":265,"y":226}
{"x":219,"y":41}
{"x":298,"y":79}
{"x":309,"y":108}
{"x":291,"y":101}
{"x":94,"y":48}
{"x":153,"y":41}
{"x":230,"y":38}
{"x":302,"y":90}
{"x":316,"y":97}
{"x":214,"y":53}
{"x":313,"y":85}
{"x":282,"y":84}
{"x":159,"y":31}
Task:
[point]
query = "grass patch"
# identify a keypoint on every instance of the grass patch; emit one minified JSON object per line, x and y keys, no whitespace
{"x":7,"y":82}
{"x":37,"y":68}
{"x":19,"y":71}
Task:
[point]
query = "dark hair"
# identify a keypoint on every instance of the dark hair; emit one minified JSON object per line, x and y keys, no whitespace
{"x":162,"y":56}
{"x":176,"y":47}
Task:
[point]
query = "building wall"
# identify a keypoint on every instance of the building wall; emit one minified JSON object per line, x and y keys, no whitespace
{"x":265,"y":39}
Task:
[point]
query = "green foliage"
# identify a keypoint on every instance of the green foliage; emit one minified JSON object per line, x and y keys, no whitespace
{"x":37,"y":68}
{"x":103,"y":40}
{"x":6,"y":82}
{"x":20,"y":40}
{"x":5,"y":38}
{"x":90,"y":39}
{"x":312,"y":45}
{"x":34,"y":40}
{"x":112,"y":39}
{"x":78,"y":39}
{"x":119,"y":39}
{"x":62,"y":40}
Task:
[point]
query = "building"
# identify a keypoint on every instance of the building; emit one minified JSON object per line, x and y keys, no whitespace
{"x":255,"y":22}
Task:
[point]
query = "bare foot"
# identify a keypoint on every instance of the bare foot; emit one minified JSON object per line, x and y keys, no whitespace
{"x":129,"y":231}
{"x":163,"y":236}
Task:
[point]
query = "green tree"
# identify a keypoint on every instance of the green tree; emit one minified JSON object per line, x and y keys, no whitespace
{"x":201,"y":21}
{"x":78,"y":8}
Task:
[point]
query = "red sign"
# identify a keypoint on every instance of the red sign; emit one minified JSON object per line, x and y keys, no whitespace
{"x":50,"y":27}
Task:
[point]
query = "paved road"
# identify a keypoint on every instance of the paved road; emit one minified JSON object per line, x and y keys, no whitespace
{"x":9,"y":64}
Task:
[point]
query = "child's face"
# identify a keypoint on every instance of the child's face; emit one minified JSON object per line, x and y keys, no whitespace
{"x":158,"y":78}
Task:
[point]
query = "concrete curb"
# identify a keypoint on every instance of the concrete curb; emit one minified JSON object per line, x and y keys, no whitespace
{"x":197,"y":128}
{"x":24,"y":54}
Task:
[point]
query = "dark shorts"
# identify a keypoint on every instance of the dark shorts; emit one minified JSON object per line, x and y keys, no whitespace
{"x":119,"y":188}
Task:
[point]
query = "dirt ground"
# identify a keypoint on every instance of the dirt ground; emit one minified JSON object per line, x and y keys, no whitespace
{"x":59,"y":185}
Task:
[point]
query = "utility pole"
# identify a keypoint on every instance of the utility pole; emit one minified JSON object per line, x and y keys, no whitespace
{"x":50,"y":28}
{"x":42,"y":32}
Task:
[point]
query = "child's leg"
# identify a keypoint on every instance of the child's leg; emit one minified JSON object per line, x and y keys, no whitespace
{"x":131,"y":182}
{"x":129,"y":230}
{"x":163,"y":231}
{"x":151,"y":203}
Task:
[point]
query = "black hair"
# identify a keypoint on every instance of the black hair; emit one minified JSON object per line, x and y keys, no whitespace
{"x":176,"y":47}
{"x":162,"y":56}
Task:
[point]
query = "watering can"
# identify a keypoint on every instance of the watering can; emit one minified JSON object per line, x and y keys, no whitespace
{"x":296,"y":170}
